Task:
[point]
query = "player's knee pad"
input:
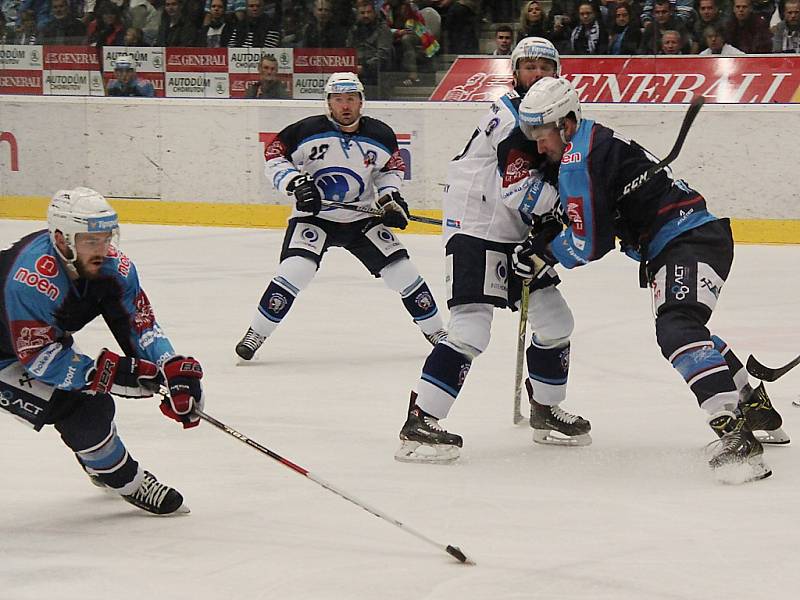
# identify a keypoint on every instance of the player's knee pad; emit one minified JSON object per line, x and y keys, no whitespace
{"x":404,"y":278}
{"x":550,"y":318}
{"x":295,"y":273}
{"x":470,"y":328}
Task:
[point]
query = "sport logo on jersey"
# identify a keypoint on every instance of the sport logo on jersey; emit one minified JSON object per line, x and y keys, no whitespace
{"x":30,"y":337}
{"x":144,"y":318}
{"x":517,"y":167}
{"x":575,"y":214}
{"x":570,"y":156}
{"x":46,"y":265}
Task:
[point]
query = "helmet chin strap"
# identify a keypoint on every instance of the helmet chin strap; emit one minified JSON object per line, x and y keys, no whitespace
{"x":562,"y":129}
{"x":69,"y":263}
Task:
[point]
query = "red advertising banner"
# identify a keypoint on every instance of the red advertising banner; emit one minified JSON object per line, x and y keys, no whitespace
{"x":324,"y":60}
{"x":663,"y":79}
{"x":197,"y":60}
{"x":21,"y":82}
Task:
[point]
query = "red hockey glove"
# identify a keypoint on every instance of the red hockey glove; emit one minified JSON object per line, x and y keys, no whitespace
{"x":183,"y":375}
{"x":123,"y":376}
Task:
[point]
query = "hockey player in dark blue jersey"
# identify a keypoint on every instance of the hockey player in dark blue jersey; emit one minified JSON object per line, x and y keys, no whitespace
{"x":350,"y":160}
{"x":56,"y":281}
{"x":685,"y":254}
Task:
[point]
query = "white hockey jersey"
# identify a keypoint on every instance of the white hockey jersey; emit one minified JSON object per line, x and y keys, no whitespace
{"x":494,"y":188}
{"x":348,"y":168}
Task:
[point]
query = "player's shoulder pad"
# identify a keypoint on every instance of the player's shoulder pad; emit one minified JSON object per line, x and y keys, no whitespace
{"x":378,"y":131}
{"x":294,"y":134}
{"x":36,"y":272}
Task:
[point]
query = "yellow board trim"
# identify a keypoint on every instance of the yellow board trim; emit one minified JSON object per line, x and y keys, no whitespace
{"x":157,"y":212}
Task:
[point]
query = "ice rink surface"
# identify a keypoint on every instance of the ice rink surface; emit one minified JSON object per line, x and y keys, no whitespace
{"x":635,"y":516}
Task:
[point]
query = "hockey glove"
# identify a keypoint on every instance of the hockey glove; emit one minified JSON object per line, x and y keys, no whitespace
{"x":123,"y":376}
{"x":183,"y":375}
{"x":395,"y":210}
{"x":306,"y":194}
{"x":532,"y":257}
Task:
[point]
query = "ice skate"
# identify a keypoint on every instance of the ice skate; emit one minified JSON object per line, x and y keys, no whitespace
{"x":248,"y":345}
{"x":437,"y":336}
{"x":760,"y":415}
{"x":156,"y":497}
{"x":423,"y":440}
{"x":555,"y":426}
{"x":737,"y":456}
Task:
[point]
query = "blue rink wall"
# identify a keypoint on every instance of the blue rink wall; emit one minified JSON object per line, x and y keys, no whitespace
{"x":200,"y":162}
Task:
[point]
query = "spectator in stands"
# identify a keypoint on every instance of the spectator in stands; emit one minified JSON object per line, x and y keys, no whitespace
{"x":765,"y":9}
{"x":681,"y":9}
{"x":257,"y":30}
{"x":413,"y":41}
{"x":372,"y":40}
{"x":786,"y":38}
{"x":532,"y":21}
{"x":715,"y":42}
{"x":107,"y":28}
{"x":625,"y":35}
{"x":134,"y":37}
{"x":64,"y":29}
{"x":747,"y":31}
{"x":25,"y":33}
{"x":292,"y":28}
{"x":145,"y":16}
{"x":590,"y":36}
{"x":663,"y":20}
{"x":321,"y":31}
{"x":125,"y":82}
{"x":268,"y":85}
{"x":460,"y":20}
{"x":708,"y":13}
{"x":498,"y":11}
{"x":175,"y":30}
{"x":10,"y":11}
{"x":670,"y":42}
{"x":503,"y":40}
{"x":217,"y":33}
{"x":40,"y":9}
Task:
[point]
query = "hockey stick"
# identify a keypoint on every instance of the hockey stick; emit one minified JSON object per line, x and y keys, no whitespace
{"x":756,"y":369}
{"x":378,"y":212}
{"x":688,"y":119}
{"x":523,"y":328}
{"x":453,"y":551}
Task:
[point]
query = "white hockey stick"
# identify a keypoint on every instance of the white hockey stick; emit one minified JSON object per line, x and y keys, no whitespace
{"x":523,"y":328}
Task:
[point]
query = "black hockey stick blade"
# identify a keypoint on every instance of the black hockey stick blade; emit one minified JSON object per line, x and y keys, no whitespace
{"x":764,"y":373}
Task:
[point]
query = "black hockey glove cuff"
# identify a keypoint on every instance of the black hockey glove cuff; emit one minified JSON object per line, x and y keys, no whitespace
{"x":395,"y":210}
{"x":306,"y":194}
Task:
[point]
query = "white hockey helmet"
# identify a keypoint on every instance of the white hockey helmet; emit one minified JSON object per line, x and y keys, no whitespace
{"x":125,"y":62}
{"x":547,"y":103}
{"x":343,"y":83}
{"x":81,"y":210}
{"x":535,"y":47}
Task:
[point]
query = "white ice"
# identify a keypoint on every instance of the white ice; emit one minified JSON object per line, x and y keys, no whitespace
{"x":637,"y":515}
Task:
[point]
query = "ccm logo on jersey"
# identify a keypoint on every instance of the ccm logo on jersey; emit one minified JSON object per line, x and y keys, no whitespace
{"x":575,"y":214}
{"x":517,"y":168}
{"x":37,"y":282}
{"x":570,"y":156}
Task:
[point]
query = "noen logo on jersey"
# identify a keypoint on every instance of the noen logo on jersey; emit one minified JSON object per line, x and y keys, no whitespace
{"x":570,"y":156}
{"x":46,"y":265}
{"x":516,"y":168}
{"x":38,"y":282}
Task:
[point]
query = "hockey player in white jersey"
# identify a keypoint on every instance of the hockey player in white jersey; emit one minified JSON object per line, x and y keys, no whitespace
{"x":346,"y":158}
{"x":488,"y":212}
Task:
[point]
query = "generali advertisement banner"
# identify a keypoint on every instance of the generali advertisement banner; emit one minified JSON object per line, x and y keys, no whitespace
{"x":759,"y":79}
{"x":174,"y":72}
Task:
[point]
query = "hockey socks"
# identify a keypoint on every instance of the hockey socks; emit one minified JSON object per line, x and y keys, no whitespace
{"x":548,"y":370}
{"x":707,"y":374}
{"x":442,"y":377}
{"x":275,"y":304}
{"x":735,"y":365}
{"x":110,"y":462}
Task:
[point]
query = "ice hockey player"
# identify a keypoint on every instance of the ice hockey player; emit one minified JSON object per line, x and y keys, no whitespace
{"x":486,"y":215}
{"x":347,"y":158}
{"x":685,"y":256}
{"x":56,"y":281}
{"x":125,"y":82}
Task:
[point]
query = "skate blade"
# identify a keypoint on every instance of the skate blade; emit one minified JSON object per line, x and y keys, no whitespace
{"x":554,"y":438}
{"x":737,"y":473}
{"x":435,"y":454}
{"x":775,"y":437}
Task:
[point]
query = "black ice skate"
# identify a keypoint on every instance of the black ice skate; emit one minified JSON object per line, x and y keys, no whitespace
{"x":422,"y":439}
{"x":737,"y":455}
{"x":156,"y":497}
{"x":248,"y":345}
{"x":437,"y":336}
{"x":553,"y":425}
{"x":760,"y":415}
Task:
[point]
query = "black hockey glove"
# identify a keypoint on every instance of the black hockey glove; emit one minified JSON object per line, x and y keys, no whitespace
{"x":123,"y":376}
{"x":306,"y":194}
{"x":532,"y":257}
{"x":395,"y":210}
